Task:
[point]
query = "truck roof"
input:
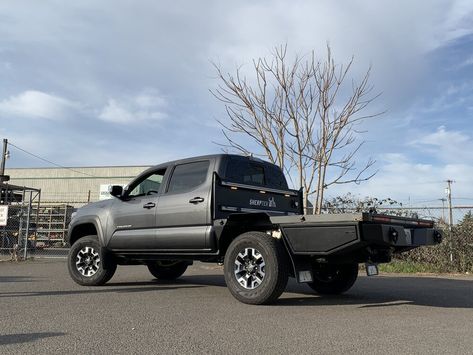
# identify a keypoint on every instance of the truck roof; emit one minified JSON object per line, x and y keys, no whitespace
{"x":202,"y":157}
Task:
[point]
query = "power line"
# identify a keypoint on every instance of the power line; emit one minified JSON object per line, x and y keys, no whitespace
{"x":415,"y":183}
{"x":48,"y":161}
{"x":423,"y":201}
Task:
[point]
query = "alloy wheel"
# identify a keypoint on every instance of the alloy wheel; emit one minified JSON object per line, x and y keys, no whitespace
{"x":88,"y":261}
{"x":249,"y":268}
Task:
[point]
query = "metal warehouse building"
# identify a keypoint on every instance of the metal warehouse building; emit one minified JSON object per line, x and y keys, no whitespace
{"x":74,"y":186}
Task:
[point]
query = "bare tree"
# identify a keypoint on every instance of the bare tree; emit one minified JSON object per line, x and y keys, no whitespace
{"x":299,"y":116}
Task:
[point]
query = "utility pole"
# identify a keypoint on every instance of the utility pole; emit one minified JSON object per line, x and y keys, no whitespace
{"x":4,"y":156}
{"x":448,"y":190}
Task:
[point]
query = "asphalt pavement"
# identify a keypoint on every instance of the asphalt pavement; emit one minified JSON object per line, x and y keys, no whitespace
{"x":43,"y":312}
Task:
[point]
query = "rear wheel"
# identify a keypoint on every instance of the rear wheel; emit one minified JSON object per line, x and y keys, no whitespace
{"x":256,"y":268}
{"x":88,"y":264}
{"x":332,"y":279}
{"x":167,"y":269}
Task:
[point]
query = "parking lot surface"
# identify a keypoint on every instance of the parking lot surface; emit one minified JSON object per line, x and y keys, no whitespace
{"x":44,"y":312}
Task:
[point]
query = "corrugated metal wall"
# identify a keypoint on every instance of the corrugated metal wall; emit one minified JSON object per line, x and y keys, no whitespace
{"x":60,"y":185}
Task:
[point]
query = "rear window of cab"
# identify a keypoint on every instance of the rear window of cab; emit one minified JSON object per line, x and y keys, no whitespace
{"x":251,"y":172}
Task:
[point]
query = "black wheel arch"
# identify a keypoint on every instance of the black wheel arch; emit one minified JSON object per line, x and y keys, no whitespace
{"x":84,"y":228}
{"x":240,"y":223}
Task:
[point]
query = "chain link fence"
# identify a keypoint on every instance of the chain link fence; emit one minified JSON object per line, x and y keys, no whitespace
{"x":18,"y":221}
{"x":30,"y":228}
{"x":51,"y":231}
{"x":36,"y":228}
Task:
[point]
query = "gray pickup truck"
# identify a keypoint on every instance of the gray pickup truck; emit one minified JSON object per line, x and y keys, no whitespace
{"x":240,"y":212}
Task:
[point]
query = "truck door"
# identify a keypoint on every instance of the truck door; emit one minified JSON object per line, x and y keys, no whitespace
{"x":134,"y":216}
{"x":183,"y":213}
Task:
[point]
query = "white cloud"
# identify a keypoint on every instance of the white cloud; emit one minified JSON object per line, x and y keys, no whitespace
{"x":458,"y":21}
{"x":442,"y":138}
{"x":451,"y":147}
{"x":465,"y":63}
{"x":401,"y":175}
{"x":146,"y":106}
{"x":6,"y":66}
{"x":405,"y":179}
{"x":113,"y":112}
{"x":37,"y":104}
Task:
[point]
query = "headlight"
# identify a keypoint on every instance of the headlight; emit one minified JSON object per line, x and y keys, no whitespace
{"x":73,"y":214}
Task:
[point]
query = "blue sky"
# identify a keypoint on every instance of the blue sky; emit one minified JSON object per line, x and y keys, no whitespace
{"x":127,"y":82}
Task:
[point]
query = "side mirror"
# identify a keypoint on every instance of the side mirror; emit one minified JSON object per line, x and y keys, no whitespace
{"x":116,"y":191}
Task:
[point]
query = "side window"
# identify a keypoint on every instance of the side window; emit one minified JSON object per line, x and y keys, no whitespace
{"x":149,"y":185}
{"x":188,"y":176}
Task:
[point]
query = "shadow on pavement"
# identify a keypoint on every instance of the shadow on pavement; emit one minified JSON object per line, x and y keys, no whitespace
{"x":94,"y":290}
{"x":396,"y":291}
{"x":26,"y":338}
{"x":381,"y":291}
{"x":17,"y":279}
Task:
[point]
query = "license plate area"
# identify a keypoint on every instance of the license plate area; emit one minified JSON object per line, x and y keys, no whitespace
{"x":408,"y":234}
{"x":371,"y":269}
{"x":304,"y":276}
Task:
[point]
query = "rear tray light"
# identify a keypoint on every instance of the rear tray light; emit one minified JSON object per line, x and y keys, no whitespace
{"x":384,"y":219}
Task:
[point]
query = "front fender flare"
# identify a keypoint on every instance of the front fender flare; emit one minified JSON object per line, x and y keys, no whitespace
{"x":82,"y":220}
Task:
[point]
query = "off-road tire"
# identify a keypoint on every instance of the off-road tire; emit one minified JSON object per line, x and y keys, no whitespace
{"x":167,"y":269}
{"x":276,"y":271}
{"x":330,"y":279}
{"x":106,"y":266}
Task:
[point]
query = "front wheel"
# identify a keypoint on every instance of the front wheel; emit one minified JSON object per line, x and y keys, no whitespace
{"x":332,"y":279}
{"x":256,"y":268}
{"x":167,"y":269}
{"x":88,"y":264}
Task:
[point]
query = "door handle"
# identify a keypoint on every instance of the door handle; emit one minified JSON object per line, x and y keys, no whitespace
{"x":196,"y":200}
{"x":149,"y":205}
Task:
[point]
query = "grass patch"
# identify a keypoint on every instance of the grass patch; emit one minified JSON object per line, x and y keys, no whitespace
{"x":398,"y":266}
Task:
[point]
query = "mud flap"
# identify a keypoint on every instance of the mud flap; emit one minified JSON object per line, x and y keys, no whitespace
{"x":301,"y":265}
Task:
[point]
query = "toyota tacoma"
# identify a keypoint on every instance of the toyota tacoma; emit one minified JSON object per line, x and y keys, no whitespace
{"x":237,"y":211}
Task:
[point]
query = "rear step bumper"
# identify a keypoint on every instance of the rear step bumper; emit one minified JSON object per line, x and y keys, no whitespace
{"x":398,"y":236}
